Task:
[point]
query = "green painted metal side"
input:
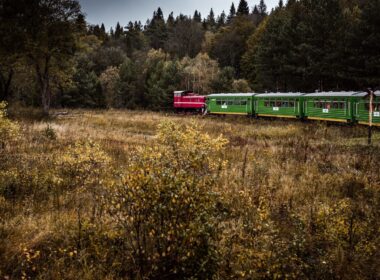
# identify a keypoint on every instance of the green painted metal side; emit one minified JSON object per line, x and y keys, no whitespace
{"x":238,"y":105}
{"x":361,"y":110}
{"x":291,"y":107}
{"x":330,"y":108}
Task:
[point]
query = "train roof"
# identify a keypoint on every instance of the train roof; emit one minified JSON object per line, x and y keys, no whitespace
{"x":232,"y":95}
{"x":280,"y":94}
{"x":337,"y":94}
{"x":183,"y":91}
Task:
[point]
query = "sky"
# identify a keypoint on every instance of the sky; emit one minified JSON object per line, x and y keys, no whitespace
{"x":110,"y":12}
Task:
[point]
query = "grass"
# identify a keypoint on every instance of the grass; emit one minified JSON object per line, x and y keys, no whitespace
{"x":298,"y":200}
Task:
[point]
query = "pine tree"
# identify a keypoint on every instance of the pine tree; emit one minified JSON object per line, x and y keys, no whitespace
{"x":102,"y":28}
{"x":211,"y":19}
{"x":280,"y":4}
{"x":156,"y":30}
{"x":262,"y":8}
{"x":159,"y":14}
{"x":118,"y":31}
{"x":197,"y":16}
{"x":255,"y":10}
{"x":170,"y":21}
{"x":221,"y":19}
{"x":243,"y":8}
{"x":232,"y":13}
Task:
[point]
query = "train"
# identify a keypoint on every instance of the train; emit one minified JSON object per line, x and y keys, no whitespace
{"x":346,"y":107}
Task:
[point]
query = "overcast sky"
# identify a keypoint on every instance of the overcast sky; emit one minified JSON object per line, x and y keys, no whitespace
{"x":110,"y":12}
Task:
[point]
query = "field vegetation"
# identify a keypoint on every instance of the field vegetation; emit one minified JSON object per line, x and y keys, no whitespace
{"x":143,"y":195}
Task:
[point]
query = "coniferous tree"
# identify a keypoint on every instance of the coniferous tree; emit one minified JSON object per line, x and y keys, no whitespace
{"x":232,"y":13}
{"x":221,"y":20}
{"x":262,"y":8}
{"x":159,"y":14}
{"x":280,"y":4}
{"x":156,"y":30}
{"x":118,"y":31}
{"x":197,"y":16}
{"x":170,"y":22}
{"x":243,"y":8}
{"x":102,"y":28}
{"x":211,"y":19}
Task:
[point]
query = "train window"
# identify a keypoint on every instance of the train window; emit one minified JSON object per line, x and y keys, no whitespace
{"x":335,"y":105}
{"x":291,"y":104}
{"x":237,"y":102}
{"x":244,"y":102}
{"x":285,"y":103}
{"x":278,"y":103}
{"x":219,"y":102}
{"x":342,"y":105}
{"x":266,"y":103}
{"x":230,"y":102}
{"x":375,"y":106}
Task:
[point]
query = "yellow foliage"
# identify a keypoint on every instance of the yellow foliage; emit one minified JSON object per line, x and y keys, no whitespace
{"x":168,"y":199}
{"x":9,"y":131}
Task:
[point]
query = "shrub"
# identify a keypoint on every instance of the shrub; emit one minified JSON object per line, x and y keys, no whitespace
{"x":9,"y":130}
{"x":165,"y":209}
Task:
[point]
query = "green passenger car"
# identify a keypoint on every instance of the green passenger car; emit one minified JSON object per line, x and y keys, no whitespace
{"x":230,"y":104}
{"x":330,"y":106}
{"x":281,"y":105}
{"x":361,"y":108}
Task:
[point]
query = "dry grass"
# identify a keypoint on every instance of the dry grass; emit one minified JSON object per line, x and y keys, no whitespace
{"x":291,"y":192}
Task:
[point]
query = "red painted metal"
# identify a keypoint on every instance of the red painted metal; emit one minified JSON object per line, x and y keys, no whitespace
{"x":189,"y":100}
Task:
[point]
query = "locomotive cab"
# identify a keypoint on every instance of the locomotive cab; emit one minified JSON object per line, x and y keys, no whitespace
{"x":189,"y":101}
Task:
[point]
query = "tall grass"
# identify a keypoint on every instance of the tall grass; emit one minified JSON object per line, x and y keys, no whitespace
{"x":291,"y":200}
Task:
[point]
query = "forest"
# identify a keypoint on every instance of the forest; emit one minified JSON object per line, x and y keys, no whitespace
{"x":50,"y":56}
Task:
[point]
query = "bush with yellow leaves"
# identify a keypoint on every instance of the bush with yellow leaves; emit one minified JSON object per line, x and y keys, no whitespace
{"x":9,"y":130}
{"x":165,"y":208}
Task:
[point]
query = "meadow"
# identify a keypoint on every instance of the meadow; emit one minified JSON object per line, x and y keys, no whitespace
{"x":144,"y":195}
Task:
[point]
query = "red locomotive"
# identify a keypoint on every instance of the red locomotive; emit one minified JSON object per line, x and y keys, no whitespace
{"x":188,"y":101}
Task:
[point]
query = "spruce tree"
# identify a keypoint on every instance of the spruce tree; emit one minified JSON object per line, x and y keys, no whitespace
{"x":170,"y":21}
{"x":211,"y":19}
{"x":118,"y":31}
{"x":262,"y":8}
{"x":232,"y":13}
{"x":243,"y":8}
{"x":197,"y":16}
{"x":159,"y":14}
{"x":221,"y":19}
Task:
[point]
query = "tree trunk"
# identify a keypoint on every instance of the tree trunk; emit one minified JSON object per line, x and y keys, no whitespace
{"x":44,"y":84}
{"x":5,"y":85}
